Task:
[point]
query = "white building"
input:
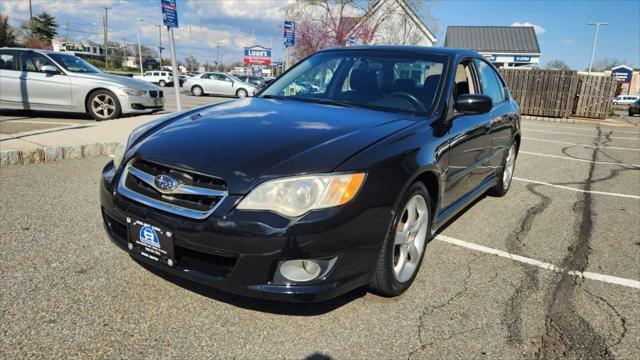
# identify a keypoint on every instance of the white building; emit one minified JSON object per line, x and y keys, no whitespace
{"x":83,"y":47}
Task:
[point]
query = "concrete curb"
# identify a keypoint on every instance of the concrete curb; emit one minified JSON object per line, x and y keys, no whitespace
{"x":55,"y":153}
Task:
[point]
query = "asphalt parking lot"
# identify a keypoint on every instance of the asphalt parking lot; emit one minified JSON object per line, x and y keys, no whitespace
{"x":14,"y":122}
{"x":551,"y":270}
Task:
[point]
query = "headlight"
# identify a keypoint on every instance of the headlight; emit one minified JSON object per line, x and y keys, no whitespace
{"x":295,"y":196}
{"x":134,"y":92}
{"x":118,"y":153}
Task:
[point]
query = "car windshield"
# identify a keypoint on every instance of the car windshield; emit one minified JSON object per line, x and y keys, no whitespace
{"x":380,"y":80}
{"x":74,"y":64}
{"x":234,"y":78}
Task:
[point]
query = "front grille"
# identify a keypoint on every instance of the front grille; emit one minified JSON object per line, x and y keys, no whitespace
{"x":153,"y":93}
{"x":161,"y":93}
{"x":196,"y":196}
{"x":212,"y":265}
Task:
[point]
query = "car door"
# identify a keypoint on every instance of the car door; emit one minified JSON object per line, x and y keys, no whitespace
{"x":503,"y":114}
{"x":40,"y":90}
{"x":10,"y":79}
{"x":469,"y":141}
{"x":224,"y":84}
{"x":208,"y":83}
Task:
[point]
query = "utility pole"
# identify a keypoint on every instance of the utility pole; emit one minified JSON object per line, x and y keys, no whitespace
{"x":139,"y":46}
{"x":124,"y":49}
{"x":30,"y":18}
{"x":106,"y":30}
{"x":190,"y":51}
{"x":595,"y":39}
{"x":217,"y":55}
{"x":66,"y":31}
{"x":160,"y":46}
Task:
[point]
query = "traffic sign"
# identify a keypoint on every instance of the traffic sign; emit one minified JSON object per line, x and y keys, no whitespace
{"x":289,"y":33}
{"x":169,"y":13}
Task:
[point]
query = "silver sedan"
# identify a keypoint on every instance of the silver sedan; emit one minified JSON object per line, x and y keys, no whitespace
{"x":56,"y":81}
{"x":219,"y":84}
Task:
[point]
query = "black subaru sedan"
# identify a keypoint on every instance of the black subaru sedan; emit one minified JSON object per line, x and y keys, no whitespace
{"x":334,"y":177}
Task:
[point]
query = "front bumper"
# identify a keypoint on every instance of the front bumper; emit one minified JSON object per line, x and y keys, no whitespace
{"x":238,"y":251}
{"x":141,"y":104}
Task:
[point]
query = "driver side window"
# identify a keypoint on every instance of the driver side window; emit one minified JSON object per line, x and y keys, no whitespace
{"x":34,"y":62}
{"x":464,"y":83}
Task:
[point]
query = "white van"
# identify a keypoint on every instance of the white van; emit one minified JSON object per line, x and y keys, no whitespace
{"x":162,"y":78}
{"x":624,"y":99}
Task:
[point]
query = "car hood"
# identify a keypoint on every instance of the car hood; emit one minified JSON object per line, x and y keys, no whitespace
{"x":249,"y":141}
{"x":111,"y":79}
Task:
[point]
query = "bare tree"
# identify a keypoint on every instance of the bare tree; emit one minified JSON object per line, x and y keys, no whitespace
{"x":556,"y":65}
{"x":607,"y":63}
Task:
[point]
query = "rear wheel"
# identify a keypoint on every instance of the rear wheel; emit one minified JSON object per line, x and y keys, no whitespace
{"x":162,"y":83}
{"x":103,"y":105}
{"x":197,"y":91}
{"x":506,"y":175}
{"x":402,"y":252}
{"x":241,"y":93}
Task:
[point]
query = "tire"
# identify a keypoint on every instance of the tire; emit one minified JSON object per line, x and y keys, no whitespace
{"x":162,"y":83}
{"x":103,"y":105}
{"x":242,"y":93}
{"x":197,"y":90}
{"x":505,"y":176}
{"x":630,"y":113}
{"x":404,"y":247}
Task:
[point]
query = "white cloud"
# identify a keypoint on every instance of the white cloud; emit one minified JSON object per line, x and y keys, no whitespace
{"x":568,"y":41}
{"x":537,"y":28}
{"x":247,"y":9}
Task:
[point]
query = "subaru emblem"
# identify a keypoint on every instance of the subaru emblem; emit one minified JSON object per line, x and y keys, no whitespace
{"x":165,"y":182}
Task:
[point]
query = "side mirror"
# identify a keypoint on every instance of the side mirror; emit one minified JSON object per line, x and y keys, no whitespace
{"x":473,"y":104}
{"x":49,"y":69}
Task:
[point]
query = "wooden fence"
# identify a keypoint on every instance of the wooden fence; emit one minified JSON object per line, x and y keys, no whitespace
{"x":560,"y":93}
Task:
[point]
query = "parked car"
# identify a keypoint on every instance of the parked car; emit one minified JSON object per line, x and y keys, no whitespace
{"x":219,"y":84}
{"x":56,"y":81}
{"x":624,"y":99}
{"x":634,"y":108}
{"x":162,"y":78}
{"x":305,"y":197}
{"x":255,"y":80}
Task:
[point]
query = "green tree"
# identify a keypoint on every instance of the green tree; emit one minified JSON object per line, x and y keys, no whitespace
{"x":44,"y":26}
{"x":7,"y":32}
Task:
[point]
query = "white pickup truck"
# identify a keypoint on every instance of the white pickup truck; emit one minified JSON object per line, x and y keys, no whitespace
{"x":162,"y":78}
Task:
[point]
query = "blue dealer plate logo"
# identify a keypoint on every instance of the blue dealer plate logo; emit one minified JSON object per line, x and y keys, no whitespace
{"x":149,"y":236}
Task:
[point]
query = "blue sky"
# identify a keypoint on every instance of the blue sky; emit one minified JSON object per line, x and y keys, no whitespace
{"x":232,"y":24}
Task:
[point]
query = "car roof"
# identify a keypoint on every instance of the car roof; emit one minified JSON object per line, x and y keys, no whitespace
{"x":453,"y":52}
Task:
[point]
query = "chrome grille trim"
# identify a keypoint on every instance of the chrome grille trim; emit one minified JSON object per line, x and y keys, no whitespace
{"x":181,"y":189}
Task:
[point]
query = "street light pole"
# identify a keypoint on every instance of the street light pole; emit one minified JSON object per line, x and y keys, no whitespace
{"x":139,"y":46}
{"x":595,"y":39}
{"x":106,"y":40}
{"x":160,"y":46}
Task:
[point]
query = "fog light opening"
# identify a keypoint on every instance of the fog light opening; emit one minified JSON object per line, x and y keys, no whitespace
{"x":300,"y":270}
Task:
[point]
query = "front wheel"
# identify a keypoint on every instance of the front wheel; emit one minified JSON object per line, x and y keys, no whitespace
{"x":630,"y":113}
{"x":241,"y":93}
{"x":197,"y":91}
{"x":403,"y":249}
{"x":506,"y":175}
{"x":103,"y":105}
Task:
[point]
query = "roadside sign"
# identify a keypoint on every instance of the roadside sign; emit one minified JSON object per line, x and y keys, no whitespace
{"x":622,"y":73}
{"x":289,"y":33}
{"x":522,"y":58}
{"x":169,"y":13}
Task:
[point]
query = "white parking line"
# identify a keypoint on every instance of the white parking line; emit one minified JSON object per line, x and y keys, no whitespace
{"x":579,"y":128}
{"x":584,"y":135}
{"x":582,"y":145}
{"x":635,"y":284}
{"x":576,"y":189}
{"x":582,"y":160}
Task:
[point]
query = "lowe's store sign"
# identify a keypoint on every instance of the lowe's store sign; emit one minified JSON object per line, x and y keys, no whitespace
{"x":257,"y":52}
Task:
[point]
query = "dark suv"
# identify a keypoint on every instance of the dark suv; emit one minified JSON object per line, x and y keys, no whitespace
{"x":334,"y":177}
{"x":634,"y":108}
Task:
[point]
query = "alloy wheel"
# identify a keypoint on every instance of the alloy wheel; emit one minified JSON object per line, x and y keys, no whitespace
{"x":410,"y":237}
{"x":509,"y":165}
{"x":242,"y":94}
{"x":197,"y":91}
{"x":103,"y":105}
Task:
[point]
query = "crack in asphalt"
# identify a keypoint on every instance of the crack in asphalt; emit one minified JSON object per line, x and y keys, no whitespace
{"x":512,"y":315}
{"x":430,"y":309}
{"x":565,"y":330}
{"x":621,"y":318}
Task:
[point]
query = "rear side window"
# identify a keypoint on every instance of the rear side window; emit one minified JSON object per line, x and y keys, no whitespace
{"x":156,"y":74}
{"x":490,"y":83}
{"x":8,"y":60}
